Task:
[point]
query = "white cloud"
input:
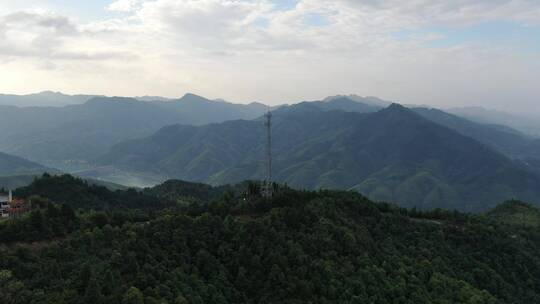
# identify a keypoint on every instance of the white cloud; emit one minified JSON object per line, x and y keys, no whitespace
{"x":246,"y":50}
{"x":123,"y":5}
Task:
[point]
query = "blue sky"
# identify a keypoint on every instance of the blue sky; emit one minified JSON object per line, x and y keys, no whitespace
{"x":85,"y":10}
{"x":446,"y":53}
{"x":494,"y":33}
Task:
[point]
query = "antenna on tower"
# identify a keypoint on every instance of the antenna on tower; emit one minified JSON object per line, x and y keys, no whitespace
{"x":267,"y":186}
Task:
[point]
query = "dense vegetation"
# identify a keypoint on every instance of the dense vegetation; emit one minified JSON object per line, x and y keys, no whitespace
{"x":415,"y":157}
{"x":391,"y":155}
{"x":516,"y":213}
{"x":78,"y":193}
{"x":298,"y":247}
{"x":508,"y":141}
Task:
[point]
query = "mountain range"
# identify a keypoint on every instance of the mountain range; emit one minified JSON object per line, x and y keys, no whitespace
{"x":511,"y":142}
{"x":416,"y":156}
{"x":526,"y":123}
{"x":72,"y":135}
{"x":43,"y":99}
{"x":393,"y":154}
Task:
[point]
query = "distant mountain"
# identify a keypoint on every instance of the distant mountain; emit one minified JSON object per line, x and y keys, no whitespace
{"x":78,"y":133}
{"x":508,"y":141}
{"x":369,"y":100}
{"x":512,"y":143}
{"x":13,"y":165}
{"x":527,"y":124}
{"x":199,"y":110}
{"x":340,"y":103}
{"x":344,"y":104}
{"x":43,"y":99}
{"x":392,"y":155}
{"x":152,"y":98}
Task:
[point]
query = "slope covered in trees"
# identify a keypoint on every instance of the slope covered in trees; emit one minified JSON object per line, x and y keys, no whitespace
{"x":299,"y":247}
{"x":11,"y":165}
{"x":508,"y":141}
{"x":79,"y":193}
{"x":391,"y":155}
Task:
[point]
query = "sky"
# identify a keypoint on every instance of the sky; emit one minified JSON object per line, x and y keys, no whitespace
{"x":435,"y":52}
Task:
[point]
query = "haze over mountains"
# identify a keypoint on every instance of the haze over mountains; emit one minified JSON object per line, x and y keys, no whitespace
{"x":43,"y":99}
{"x":528,"y":124}
{"x":414,"y":156}
{"x":54,"y":135}
{"x":12,"y":165}
{"x":393,"y":154}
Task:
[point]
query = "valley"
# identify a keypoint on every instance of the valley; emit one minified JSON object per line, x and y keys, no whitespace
{"x":417,"y":157}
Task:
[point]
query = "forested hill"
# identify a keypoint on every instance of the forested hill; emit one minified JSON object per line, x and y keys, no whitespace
{"x":391,"y":155}
{"x":83,"y":131}
{"x":298,"y":247}
{"x":13,"y":165}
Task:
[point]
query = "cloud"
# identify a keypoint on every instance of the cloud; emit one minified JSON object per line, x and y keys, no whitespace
{"x":252,"y":49}
{"x":123,"y":5}
{"x":44,"y":35}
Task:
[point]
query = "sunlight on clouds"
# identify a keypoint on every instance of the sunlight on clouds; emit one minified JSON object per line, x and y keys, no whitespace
{"x":123,"y":5}
{"x":262,"y":50}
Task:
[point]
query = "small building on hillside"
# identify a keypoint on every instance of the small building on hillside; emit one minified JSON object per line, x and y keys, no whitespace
{"x":5,"y":200}
{"x":11,"y":207}
{"x":17,"y":207}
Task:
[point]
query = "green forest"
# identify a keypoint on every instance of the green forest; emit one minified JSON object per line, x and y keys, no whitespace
{"x":191,"y":243}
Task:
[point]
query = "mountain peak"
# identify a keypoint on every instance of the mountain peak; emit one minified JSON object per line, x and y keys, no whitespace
{"x":369,"y":100}
{"x":49,"y":92}
{"x":100,"y":100}
{"x":193,"y":97}
{"x":398,"y":112}
{"x":341,"y":99}
{"x":396,"y":107}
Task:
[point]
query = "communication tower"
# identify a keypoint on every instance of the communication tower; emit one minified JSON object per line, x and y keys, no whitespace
{"x":267,"y":186}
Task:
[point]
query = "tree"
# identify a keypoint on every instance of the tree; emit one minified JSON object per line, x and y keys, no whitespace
{"x":12,"y":291}
{"x":92,"y":295}
{"x":133,"y":296}
{"x":181,"y":300}
{"x":85,"y":275}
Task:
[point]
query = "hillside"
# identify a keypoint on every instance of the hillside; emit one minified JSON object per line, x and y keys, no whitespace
{"x":508,"y":141}
{"x":392,"y":155}
{"x":13,"y":165}
{"x":71,"y":136}
{"x":18,"y":181}
{"x":299,"y":247}
{"x":511,"y":142}
{"x":516,"y":213}
{"x":78,"y":193}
